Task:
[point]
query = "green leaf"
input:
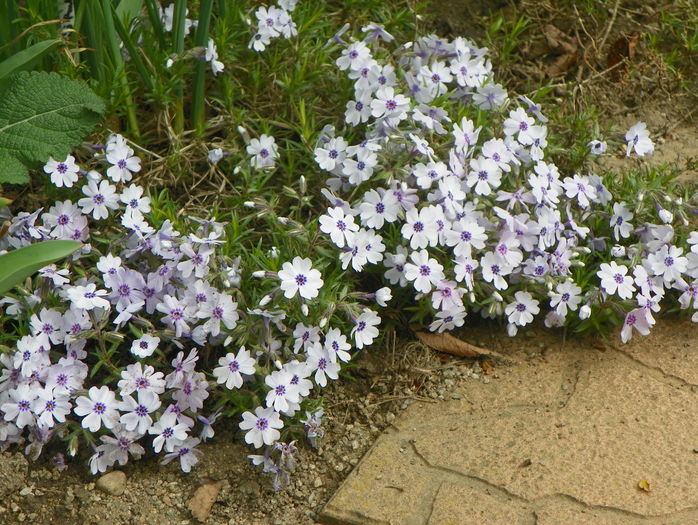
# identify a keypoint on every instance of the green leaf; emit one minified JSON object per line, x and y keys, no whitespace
{"x":127,"y":10}
{"x":4,"y":202}
{"x":24,"y":58}
{"x":42,"y":115}
{"x":17,"y":265}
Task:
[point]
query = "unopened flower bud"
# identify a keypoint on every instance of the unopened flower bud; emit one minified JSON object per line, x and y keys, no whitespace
{"x":512,"y":330}
{"x":259,"y":274}
{"x":497,"y":297}
{"x":302,"y":183}
{"x":278,"y":364}
{"x":640,"y":196}
{"x":249,"y":204}
{"x":236,"y":170}
{"x":284,"y":220}
{"x":668,"y":198}
{"x":243,"y":133}
{"x":666,"y":216}
{"x":265,"y":300}
{"x":585,"y":312}
{"x":383,"y":296}
{"x":618,"y":251}
{"x":304,"y":309}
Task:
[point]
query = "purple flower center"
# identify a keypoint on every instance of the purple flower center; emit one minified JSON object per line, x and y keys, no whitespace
{"x":142,"y":383}
{"x":495,"y":269}
{"x":631,"y":320}
{"x":61,"y":168}
{"x":176,"y":314}
{"x":618,"y":278}
{"x":301,"y":279}
{"x":63,"y":219}
{"x":141,"y":411}
{"x":360,"y":327}
{"x":217,"y":313}
{"x":124,"y":290}
{"x":98,"y":198}
{"x":24,"y":406}
{"x":435,"y":78}
{"x":520,"y":307}
{"x":333,"y":154}
{"x":234,"y":366}
{"x":358,"y":106}
{"x":322,"y":363}
{"x":167,"y":433}
{"x":418,"y":226}
{"x":482,"y":175}
{"x":391,"y":105}
{"x":121,"y":164}
{"x":264,"y":153}
{"x":669,"y":261}
{"x":424,"y":270}
{"x":523,"y":126}
{"x":262,"y":424}
{"x":380,"y":207}
{"x":99,"y":408}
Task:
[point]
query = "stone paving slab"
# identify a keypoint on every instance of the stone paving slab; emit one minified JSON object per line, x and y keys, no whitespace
{"x":562,"y":438}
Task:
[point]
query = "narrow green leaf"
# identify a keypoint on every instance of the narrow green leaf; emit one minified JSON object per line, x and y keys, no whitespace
{"x":17,"y":265}
{"x":24,"y":58}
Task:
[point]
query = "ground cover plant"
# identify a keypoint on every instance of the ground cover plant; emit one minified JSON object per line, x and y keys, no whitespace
{"x":443,"y":199}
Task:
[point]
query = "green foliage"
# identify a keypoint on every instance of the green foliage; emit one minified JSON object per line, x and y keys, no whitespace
{"x":26,"y":57}
{"x":17,"y":265}
{"x":42,"y":115}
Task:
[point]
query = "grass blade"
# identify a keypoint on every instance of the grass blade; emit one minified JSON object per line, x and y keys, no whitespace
{"x":198,"y":101}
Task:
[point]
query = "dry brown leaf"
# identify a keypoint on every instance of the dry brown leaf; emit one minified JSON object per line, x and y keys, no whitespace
{"x":565,"y":49}
{"x":622,"y":50}
{"x":644,"y":485}
{"x":487,"y":368}
{"x":452,"y":345}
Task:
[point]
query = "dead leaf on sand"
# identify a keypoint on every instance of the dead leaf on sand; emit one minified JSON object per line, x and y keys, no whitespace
{"x":452,"y":345}
{"x":644,"y":485}
{"x":622,"y":50}
{"x":566,"y":49}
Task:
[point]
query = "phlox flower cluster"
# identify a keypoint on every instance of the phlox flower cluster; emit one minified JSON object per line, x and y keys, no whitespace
{"x":273,"y":22}
{"x":475,"y":217}
{"x":114,"y":335}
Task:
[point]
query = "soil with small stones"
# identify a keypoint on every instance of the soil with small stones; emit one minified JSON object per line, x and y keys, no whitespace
{"x":384,"y":382}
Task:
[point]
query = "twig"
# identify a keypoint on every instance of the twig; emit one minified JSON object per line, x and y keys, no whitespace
{"x":610,"y":24}
{"x":398,"y":398}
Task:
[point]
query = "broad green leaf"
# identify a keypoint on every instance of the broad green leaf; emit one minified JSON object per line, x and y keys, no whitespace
{"x":4,"y":202}
{"x":127,"y":10}
{"x":24,"y":58}
{"x":42,"y":115}
{"x":17,"y":265}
